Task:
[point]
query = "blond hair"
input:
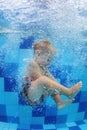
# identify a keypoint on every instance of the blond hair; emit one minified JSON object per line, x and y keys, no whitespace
{"x":44,"y":45}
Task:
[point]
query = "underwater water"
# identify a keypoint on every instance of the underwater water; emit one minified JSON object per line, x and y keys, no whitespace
{"x":22,"y":23}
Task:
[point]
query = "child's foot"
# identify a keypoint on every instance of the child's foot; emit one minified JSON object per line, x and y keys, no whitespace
{"x":64,"y":103}
{"x":74,"y":90}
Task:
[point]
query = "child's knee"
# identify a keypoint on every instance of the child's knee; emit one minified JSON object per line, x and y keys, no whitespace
{"x":42,"y":79}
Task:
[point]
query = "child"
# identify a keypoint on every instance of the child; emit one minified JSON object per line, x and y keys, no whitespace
{"x":38,"y":81}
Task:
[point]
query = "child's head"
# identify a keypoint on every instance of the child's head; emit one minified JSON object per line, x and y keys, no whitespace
{"x":44,"y":46}
{"x":44,"y":51}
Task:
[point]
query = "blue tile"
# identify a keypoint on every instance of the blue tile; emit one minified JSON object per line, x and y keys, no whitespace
{"x":77,"y":97}
{"x":3,"y":118}
{"x":84,"y":81}
{"x":11,"y":98}
{"x":38,"y":127}
{"x":2,"y":110}
{"x":85,"y":115}
{"x":51,"y":111}
{"x":83,"y":127}
{"x":61,"y":125}
{"x":10,"y":69}
{"x":23,"y":129}
{"x":1,"y":71}
{"x":39,"y":111}
{"x":82,"y":106}
{"x":12,"y":110}
{"x":50,"y":120}
{"x":63,"y":128}
{"x":80,"y":122}
{"x":1,"y":84}
{"x":10,"y":84}
{"x":73,"y":108}
{"x":23,"y":126}
{"x":63,"y":111}
{"x":61,"y":119}
{"x":27,"y":43}
{"x":2,"y":98}
{"x":50,"y":129}
{"x":13,"y":126}
{"x":13,"y":119}
{"x":70,"y":124}
{"x":49,"y":102}
{"x":83,"y":96}
{"x":25,"y":111}
{"x":24,"y":120}
{"x":12,"y":57}
{"x":37,"y":120}
{"x":4,"y":126}
{"x":71,"y":117}
{"x":80,"y":116}
{"x":85,"y":120}
{"x":49,"y":126}
{"x":74,"y":128}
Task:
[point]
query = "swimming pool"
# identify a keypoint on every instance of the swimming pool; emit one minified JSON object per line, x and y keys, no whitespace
{"x":21,"y":24}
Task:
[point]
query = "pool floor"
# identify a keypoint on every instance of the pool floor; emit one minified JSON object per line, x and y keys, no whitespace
{"x":77,"y":125}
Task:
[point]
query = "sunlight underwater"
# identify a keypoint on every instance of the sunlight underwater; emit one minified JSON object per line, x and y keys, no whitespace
{"x":22,"y":23}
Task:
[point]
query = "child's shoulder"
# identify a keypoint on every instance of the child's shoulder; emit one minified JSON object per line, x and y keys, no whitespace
{"x":33,"y":64}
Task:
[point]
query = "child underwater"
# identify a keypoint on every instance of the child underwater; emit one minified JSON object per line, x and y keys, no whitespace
{"x":39,"y":83}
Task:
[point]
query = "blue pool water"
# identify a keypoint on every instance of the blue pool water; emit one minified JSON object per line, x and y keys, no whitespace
{"x":24,"y":22}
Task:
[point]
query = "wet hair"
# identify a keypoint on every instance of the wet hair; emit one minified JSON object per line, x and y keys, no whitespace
{"x":44,"y":45}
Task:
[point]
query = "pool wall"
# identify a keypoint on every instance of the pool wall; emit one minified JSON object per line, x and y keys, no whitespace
{"x":13,"y":109}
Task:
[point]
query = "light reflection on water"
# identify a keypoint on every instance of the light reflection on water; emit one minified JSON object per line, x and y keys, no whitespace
{"x":63,"y":23}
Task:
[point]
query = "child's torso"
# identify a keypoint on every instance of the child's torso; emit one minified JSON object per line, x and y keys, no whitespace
{"x":43,"y":71}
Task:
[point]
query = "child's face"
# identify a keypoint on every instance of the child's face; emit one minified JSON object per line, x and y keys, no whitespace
{"x":44,"y":57}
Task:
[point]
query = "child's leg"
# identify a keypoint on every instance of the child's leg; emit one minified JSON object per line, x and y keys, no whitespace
{"x":61,"y":103}
{"x":57,"y":98}
{"x":53,"y":85}
{"x":45,"y":86}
